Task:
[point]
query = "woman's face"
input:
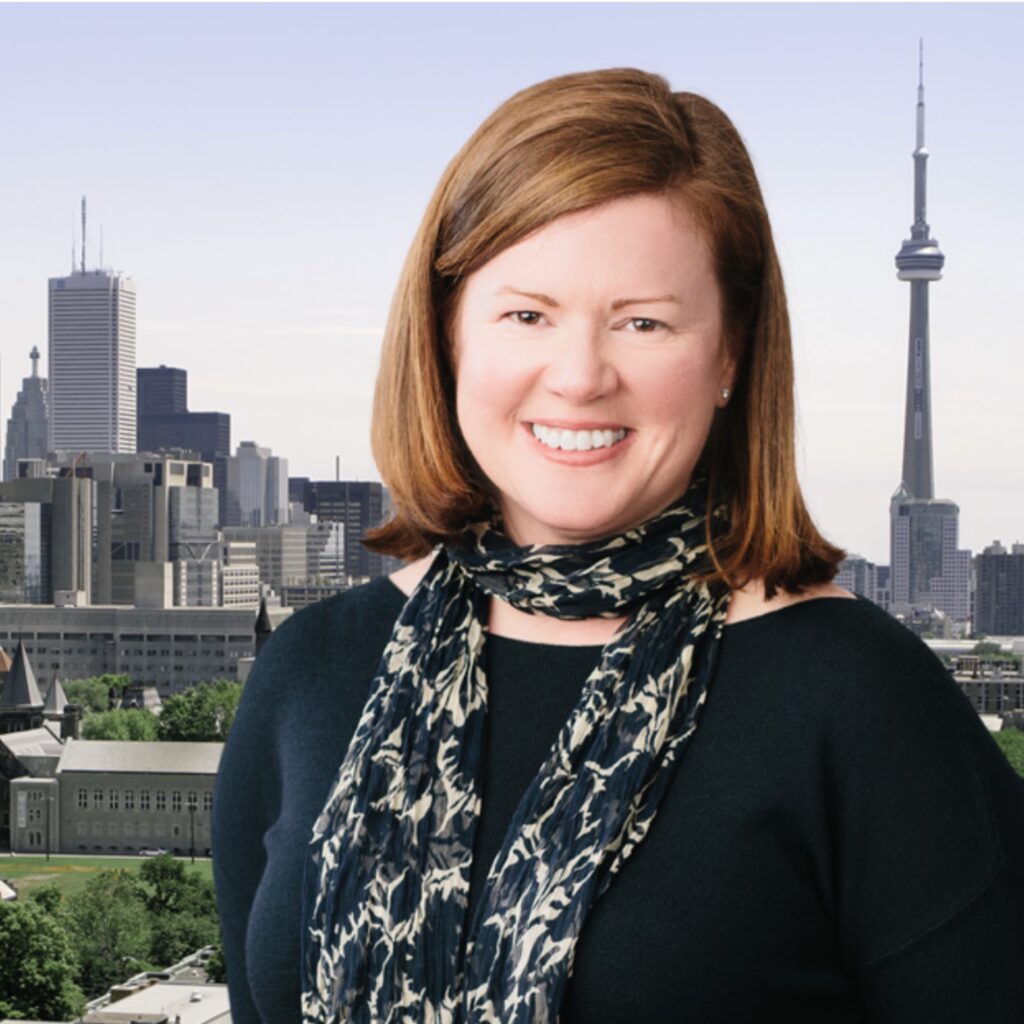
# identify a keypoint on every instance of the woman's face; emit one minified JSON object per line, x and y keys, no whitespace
{"x":604,"y":321}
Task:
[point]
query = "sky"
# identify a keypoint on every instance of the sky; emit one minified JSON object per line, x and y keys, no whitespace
{"x":259,"y":170}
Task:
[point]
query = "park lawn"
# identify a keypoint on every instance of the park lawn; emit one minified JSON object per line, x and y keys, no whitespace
{"x":70,"y":873}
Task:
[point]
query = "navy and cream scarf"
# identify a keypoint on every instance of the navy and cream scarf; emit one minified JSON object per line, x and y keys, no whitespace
{"x":387,"y":879}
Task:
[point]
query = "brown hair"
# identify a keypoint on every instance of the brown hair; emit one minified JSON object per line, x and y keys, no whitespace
{"x":554,"y":148}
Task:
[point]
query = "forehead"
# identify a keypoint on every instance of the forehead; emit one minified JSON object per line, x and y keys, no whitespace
{"x":632,"y":245}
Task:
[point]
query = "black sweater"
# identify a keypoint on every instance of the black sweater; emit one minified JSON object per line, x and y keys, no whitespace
{"x":843,"y":840}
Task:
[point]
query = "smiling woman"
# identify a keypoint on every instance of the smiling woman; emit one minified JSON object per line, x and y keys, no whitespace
{"x":612,"y":747}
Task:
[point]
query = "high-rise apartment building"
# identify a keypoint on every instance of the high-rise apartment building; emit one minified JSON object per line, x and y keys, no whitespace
{"x":928,"y":570}
{"x":92,"y":362}
{"x":28,"y":429}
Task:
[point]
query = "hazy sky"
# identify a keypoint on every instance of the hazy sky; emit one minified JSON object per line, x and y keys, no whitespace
{"x":260,"y":170}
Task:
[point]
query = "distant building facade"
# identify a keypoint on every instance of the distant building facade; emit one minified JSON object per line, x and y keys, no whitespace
{"x":999,"y":607}
{"x":92,"y":362}
{"x":66,"y":527}
{"x":169,"y":648}
{"x":257,"y":488}
{"x":165,"y":424}
{"x":359,"y":506}
{"x":112,"y":796}
{"x":28,"y":429}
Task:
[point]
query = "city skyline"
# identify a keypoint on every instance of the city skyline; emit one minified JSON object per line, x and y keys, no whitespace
{"x":263,"y":206}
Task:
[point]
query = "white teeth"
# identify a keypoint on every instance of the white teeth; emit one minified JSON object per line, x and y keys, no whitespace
{"x":576,"y":440}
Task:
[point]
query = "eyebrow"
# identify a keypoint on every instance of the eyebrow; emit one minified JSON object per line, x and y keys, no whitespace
{"x":548,"y":301}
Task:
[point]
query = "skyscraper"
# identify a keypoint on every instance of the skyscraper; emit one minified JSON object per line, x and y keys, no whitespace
{"x":927,"y":567}
{"x":92,"y":360}
{"x":29,"y":426}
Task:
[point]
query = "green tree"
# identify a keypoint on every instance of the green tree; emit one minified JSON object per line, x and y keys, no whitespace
{"x":37,"y":963}
{"x":1011,"y":742}
{"x":94,"y":693}
{"x":216,"y":970}
{"x":121,"y":724}
{"x":112,"y":929}
{"x":202,"y":713}
{"x":182,"y":907}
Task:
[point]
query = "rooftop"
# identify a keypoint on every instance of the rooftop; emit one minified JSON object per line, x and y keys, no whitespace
{"x":153,"y":756}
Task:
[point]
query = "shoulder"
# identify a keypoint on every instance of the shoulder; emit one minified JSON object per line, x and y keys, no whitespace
{"x":316,"y":642}
{"x":749,"y":602}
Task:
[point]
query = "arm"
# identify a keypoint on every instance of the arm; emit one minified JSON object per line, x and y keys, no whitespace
{"x":244,"y":790}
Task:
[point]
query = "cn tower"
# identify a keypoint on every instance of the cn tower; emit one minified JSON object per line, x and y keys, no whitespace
{"x":919,"y":261}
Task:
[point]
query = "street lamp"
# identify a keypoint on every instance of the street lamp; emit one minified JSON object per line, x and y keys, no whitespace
{"x":49,"y":805}
{"x":192,"y":827}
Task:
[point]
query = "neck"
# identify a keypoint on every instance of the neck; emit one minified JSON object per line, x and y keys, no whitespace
{"x":507,"y":621}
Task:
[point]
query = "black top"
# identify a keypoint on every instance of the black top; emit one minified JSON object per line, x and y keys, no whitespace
{"x":843,"y":840}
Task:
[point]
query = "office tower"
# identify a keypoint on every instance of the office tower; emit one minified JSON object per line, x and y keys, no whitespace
{"x":29,"y":425}
{"x":257,"y":488}
{"x":859,"y":576}
{"x":148,"y":537}
{"x":928,"y":570}
{"x":999,"y":607}
{"x":162,"y":390}
{"x":66,"y":527}
{"x":359,"y":506}
{"x":165,"y":424}
{"x":92,"y":360}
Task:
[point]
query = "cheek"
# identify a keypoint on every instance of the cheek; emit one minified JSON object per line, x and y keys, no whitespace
{"x":680,"y":388}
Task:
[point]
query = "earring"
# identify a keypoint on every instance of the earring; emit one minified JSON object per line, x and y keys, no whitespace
{"x":726,"y":392}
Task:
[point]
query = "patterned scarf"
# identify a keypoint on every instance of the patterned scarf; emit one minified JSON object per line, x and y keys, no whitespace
{"x":387,"y":878}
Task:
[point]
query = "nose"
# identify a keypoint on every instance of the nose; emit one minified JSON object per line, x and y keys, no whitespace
{"x":579,"y":368}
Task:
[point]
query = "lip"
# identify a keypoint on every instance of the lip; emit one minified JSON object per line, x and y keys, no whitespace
{"x":590,"y":458}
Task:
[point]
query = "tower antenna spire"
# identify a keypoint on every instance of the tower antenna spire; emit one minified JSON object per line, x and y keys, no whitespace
{"x":83,"y":234}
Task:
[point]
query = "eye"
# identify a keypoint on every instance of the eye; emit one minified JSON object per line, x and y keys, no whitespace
{"x":655,"y":324}
{"x":517,"y":313}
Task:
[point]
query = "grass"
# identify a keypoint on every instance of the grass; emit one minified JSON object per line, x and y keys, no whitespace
{"x":70,"y":873}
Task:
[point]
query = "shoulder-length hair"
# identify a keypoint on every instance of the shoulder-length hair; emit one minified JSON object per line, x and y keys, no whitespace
{"x":554,"y":148}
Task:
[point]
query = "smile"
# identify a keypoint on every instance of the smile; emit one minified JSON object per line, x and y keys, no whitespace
{"x":576,"y":440}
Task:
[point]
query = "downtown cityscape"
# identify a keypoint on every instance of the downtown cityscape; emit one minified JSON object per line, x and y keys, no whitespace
{"x":148,"y":547}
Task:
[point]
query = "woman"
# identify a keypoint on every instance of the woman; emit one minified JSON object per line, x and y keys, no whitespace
{"x":612,"y":747}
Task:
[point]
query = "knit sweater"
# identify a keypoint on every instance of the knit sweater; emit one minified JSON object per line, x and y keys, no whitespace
{"x":843,"y":841}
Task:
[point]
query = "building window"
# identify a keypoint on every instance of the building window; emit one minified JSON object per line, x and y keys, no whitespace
{"x":144,"y":800}
{"x":161,"y":800}
{"x":143,"y":828}
{"x":176,"y":800}
{"x":97,"y":828}
{"x":80,"y":828}
{"x":83,"y":798}
{"x":113,"y":800}
{"x":129,"y":799}
{"x":97,"y":799}
{"x":193,"y":800}
{"x":129,"y":829}
{"x":208,"y":801}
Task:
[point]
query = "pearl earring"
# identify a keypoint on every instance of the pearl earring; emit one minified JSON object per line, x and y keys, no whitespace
{"x":726,"y":392}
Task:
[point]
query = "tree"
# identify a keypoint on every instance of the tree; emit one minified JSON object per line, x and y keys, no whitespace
{"x":182,"y":907}
{"x":216,"y":970}
{"x":112,"y":929}
{"x":1011,"y":742}
{"x":94,"y":693}
{"x":37,"y":963}
{"x":202,"y":713}
{"x":121,"y":724}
